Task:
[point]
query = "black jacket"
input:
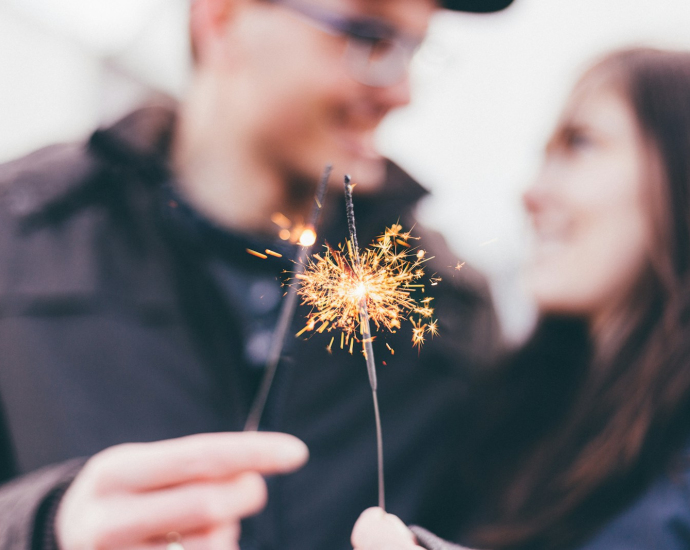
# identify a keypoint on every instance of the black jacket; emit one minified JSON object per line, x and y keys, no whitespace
{"x":658,"y":519}
{"x":112,"y":329}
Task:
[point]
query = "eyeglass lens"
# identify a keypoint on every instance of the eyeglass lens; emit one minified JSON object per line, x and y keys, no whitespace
{"x":377,"y":63}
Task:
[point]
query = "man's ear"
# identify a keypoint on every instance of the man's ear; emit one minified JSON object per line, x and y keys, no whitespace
{"x":208,"y":22}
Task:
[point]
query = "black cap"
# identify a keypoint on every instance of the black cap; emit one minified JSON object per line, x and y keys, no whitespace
{"x":476,"y":6}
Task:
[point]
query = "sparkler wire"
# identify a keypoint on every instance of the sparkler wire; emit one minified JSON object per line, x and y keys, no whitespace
{"x":287,"y":313}
{"x":367,"y":341}
{"x":350,"y":208}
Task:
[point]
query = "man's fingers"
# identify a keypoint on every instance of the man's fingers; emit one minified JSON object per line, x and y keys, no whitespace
{"x":376,"y":530}
{"x":225,"y":537}
{"x":133,"y":494}
{"x":147,"y":466}
{"x":190,"y":508}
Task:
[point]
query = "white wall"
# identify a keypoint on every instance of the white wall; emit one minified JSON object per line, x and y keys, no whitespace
{"x":68,"y":65}
{"x":487,"y":90}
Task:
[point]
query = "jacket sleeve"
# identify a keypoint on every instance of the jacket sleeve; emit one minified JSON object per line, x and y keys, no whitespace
{"x":27,"y":505}
{"x":660,"y":518}
{"x":432,"y":542}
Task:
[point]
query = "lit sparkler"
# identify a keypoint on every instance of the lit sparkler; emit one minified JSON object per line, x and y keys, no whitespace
{"x":349,"y":289}
{"x":287,"y":310}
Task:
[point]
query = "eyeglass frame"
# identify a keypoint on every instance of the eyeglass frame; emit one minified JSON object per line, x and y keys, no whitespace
{"x":363,"y":34}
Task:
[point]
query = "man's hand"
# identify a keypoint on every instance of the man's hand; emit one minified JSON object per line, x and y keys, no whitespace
{"x":376,"y":530}
{"x":134,"y":495}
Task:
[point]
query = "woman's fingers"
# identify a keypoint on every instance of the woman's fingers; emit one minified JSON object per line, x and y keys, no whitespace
{"x":377,"y":530}
{"x":147,"y":466}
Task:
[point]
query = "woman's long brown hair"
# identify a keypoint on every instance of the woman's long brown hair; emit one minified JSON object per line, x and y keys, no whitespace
{"x":588,"y":430}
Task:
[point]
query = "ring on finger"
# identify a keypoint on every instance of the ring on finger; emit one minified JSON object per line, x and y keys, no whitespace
{"x":174,"y":541}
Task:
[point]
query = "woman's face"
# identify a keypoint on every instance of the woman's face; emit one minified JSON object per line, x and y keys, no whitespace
{"x":587,"y":208}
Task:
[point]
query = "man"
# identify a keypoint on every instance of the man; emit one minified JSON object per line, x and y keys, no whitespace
{"x":131,"y":312}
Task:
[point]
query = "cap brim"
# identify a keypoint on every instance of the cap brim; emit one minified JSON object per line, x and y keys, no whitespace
{"x":476,"y":6}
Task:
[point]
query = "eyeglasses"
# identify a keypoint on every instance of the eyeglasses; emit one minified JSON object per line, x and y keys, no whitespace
{"x":377,"y":54}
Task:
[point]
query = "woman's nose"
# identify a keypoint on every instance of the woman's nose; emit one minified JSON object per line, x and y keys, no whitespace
{"x":534,"y":197}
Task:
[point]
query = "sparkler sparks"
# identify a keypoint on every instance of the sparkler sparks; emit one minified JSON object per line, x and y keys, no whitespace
{"x":458,"y":266}
{"x":386,"y":276}
{"x":418,"y":330}
{"x":348,"y":289}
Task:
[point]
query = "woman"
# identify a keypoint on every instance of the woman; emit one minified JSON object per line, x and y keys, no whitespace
{"x":584,"y":430}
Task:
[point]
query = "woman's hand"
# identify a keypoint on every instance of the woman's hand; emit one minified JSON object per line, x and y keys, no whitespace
{"x":377,"y":530}
{"x":191,"y":491}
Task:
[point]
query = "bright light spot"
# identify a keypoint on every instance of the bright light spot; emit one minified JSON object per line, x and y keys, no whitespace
{"x":280,"y":220}
{"x":360,"y":291}
{"x":307,"y":238}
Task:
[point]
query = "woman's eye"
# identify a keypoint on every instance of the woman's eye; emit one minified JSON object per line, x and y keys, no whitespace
{"x":578,"y":140}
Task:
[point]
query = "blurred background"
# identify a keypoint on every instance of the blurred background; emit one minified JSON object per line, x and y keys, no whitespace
{"x":487,"y":90}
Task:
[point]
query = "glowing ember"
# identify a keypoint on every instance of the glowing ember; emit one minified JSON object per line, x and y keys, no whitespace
{"x":418,"y":330}
{"x":386,"y":278}
{"x":307,"y":238}
{"x":257,"y":254}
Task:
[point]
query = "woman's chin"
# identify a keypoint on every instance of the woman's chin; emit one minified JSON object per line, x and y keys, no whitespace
{"x":554,"y":297}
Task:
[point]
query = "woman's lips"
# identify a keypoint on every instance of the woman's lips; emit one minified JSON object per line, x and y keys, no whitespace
{"x":551,"y":235}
